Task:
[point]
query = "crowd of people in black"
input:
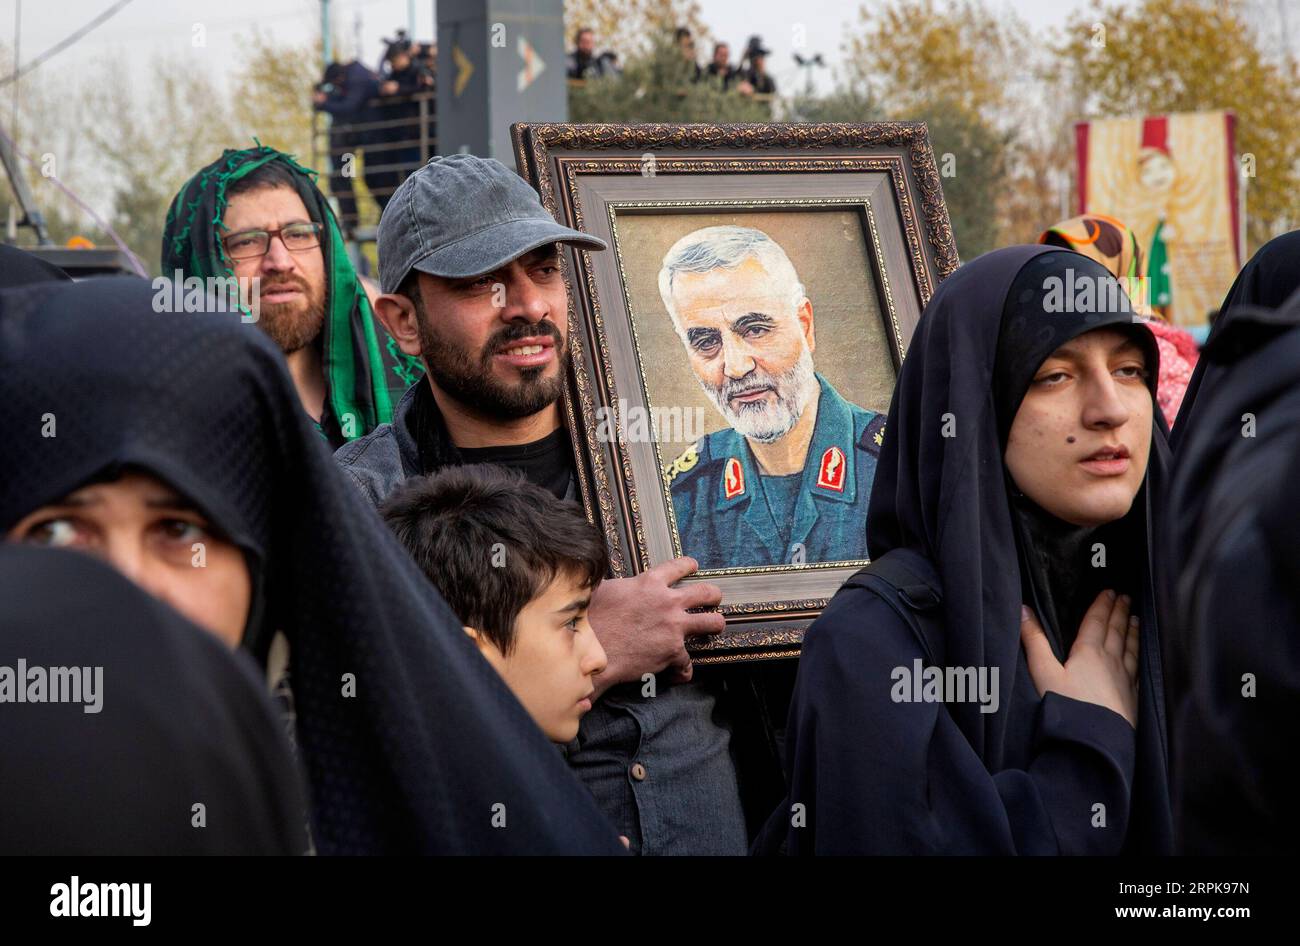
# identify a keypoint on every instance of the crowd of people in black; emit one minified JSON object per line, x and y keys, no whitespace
{"x":376,"y":113}
{"x":747,"y":76}
{"x":373,"y":513}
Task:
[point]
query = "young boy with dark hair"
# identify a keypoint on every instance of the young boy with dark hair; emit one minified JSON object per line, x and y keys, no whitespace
{"x":519,"y":567}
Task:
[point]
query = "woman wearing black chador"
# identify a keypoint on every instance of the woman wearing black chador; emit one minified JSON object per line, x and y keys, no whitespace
{"x":991,"y":683}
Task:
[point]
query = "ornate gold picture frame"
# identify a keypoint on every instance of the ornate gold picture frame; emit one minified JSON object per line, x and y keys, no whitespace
{"x":694,"y":380}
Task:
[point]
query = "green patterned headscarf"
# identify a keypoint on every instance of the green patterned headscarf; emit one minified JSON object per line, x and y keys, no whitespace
{"x":361,"y":381}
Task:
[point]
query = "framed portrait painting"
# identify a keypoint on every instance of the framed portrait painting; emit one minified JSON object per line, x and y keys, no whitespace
{"x":733,"y":354}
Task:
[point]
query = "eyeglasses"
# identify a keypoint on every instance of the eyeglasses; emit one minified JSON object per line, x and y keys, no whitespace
{"x":250,"y":244}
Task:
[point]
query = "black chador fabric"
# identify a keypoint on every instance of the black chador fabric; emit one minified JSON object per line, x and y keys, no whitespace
{"x":1059,"y":562}
{"x":1233,"y":648}
{"x":160,"y":718}
{"x":871,"y":771}
{"x":410,"y":740}
{"x":1268,"y":280}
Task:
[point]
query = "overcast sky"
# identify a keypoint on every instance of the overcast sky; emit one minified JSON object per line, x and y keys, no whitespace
{"x":148,"y":28}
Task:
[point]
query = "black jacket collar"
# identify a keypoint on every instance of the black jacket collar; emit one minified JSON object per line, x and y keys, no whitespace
{"x":422,"y":438}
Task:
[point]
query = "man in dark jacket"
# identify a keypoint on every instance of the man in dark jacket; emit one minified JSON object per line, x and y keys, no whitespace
{"x":396,"y":150}
{"x":583,"y":63}
{"x":469,"y":265}
{"x":345,"y":93}
{"x":720,"y":71}
{"x":754,"y":78}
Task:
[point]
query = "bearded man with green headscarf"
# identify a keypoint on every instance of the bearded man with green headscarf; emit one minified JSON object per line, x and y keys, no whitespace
{"x":256,"y":216}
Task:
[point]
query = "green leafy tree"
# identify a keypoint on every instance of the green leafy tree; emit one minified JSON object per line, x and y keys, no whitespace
{"x":972,"y":158}
{"x":948,"y":65}
{"x":843,"y":105}
{"x":657,"y":86}
{"x":913,"y":53}
{"x":272,"y":93}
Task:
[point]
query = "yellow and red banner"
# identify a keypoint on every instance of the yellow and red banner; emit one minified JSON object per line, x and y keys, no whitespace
{"x":1180,"y":169}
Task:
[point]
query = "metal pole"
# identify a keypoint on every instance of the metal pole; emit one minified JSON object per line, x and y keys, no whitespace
{"x":26,"y":200}
{"x":18,"y":46}
{"x":326,"y":52}
{"x":424,"y":130}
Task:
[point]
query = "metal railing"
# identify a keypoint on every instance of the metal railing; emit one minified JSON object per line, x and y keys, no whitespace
{"x":384,"y":151}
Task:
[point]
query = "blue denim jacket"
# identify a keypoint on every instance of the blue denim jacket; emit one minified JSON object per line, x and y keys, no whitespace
{"x":661,"y":769}
{"x":660,"y":766}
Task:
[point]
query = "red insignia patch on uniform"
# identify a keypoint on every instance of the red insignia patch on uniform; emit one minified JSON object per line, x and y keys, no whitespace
{"x":733,"y":479}
{"x":831,"y":474}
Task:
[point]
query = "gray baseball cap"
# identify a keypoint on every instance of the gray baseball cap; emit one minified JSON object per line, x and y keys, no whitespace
{"x":461,"y":216}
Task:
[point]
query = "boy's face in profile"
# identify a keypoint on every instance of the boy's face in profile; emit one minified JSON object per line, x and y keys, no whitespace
{"x":554,"y":658}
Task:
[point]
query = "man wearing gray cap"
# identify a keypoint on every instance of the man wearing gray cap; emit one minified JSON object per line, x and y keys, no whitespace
{"x":469,"y":265}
